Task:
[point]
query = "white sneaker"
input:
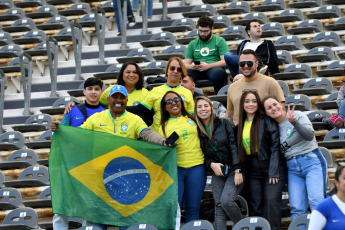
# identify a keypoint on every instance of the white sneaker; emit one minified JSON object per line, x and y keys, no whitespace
{"x":263,"y":69}
{"x":131,"y":21}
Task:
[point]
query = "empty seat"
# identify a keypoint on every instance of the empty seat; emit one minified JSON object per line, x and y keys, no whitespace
{"x":108,"y":6}
{"x":327,"y":155}
{"x":338,"y":25}
{"x":317,"y":119}
{"x":110,"y":73}
{"x":31,"y":37}
{"x":12,"y":14}
{"x":60,"y":2}
{"x":315,"y":86}
{"x":6,"y":4}
{"x":29,"y":3}
{"x":272,"y":29}
{"x":89,"y":228}
{"x":10,"y":198}
{"x":79,"y":92}
{"x":21,"y":25}
{"x":14,"y":69}
{"x":21,"y":158}
{"x":234,"y":33}
{"x":137,"y":55}
{"x":11,"y":140}
{"x":329,"y":39}
{"x":336,"y":68}
{"x":43,"y":200}
{"x":300,"y":222}
{"x":300,"y":101}
{"x":39,"y":122}
{"x":199,"y":11}
{"x":295,"y":71}
{"x":172,"y":51}
{"x":240,"y":7}
{"x":44,"y":141}
{"x":5,"y":39}
{"x":19,"y":219}
{"x":305,"y":3}
{"x":325,"y":12}
{"x":284,"y":87}
{"x":155,"y":68}
{"x":54,"y":23}
{"x":220,"y":21}
{"x":290,"y":15}
{"x":160,"y":39}
{"x":43,"y":12}
{"x":270,"y":5}
{"x":252,"y":223}
{"x":33,"y":176}
{"x":329,"y":103}
{"x":198,"y":225}
{"x":284,"y":57}
{"x":261,"y":17}
{"x":180,"y":25}
{"x":334,"y":139}
{"x":189,"y":37}
{"x":341,"y":54}
{"x":57,"y":106}
{"x":317,"y":54}
{"x":76,"y":9}
{"x":289,"y":43}
{"x":306,"y":27}
{"x":143,"y":226}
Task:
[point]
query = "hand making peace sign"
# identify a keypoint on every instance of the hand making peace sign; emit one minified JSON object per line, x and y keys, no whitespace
{"x":291,"y":115}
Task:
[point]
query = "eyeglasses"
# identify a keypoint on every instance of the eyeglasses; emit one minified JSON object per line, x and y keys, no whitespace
{"x":249,"y":63}
{"x":249,"y":91}
{"x":172,"y":68}
{"x":204,"y":31}
{"x":170,"y":101}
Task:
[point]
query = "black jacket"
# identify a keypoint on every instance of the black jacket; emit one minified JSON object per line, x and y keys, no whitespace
{"x":224,"y":139}
{"x":269,"y":145}
{"x":266,"y":53}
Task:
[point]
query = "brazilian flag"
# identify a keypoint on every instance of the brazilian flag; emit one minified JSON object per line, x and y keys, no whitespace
{"x":112,"y":180}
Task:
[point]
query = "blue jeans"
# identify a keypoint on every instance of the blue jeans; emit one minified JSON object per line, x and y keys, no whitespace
{"x":232,"y":61}
{"x":116,"y":10}
{"x":149,"y":7}
{"x":191,"y":185}
{"x":342,"y":110}
{"x":304,"y":183}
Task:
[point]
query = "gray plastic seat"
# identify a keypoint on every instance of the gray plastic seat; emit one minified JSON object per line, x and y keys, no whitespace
{"x":289,"y":43}
{"x":319,"y":124}
{"x":20,"y":219}
{"x":21,"y":25}
{"x":284,"y":87}
{"x":315,"y":86}
{"x":329,"y":103}
{"x":88,"y":20}
{"x":108,"y":6}
{"x":5,"y":39}
{"x":213,"y":1}
{"x":306,"y":27}
{"x":302,"y":220}
{"x":305,"y":3}
{"x":295,"y":71}
{"x":234,"y":33}
{"x":325,"y":12}
{"x":284,"y":57}
{"x":10,"y":198}
{"x":137,"y":55}
{"x":221,"y":96}
{"x":336,"y":68}
{"x":6,"y":4}
{"x":76,"y":9}
{"x":272,"y":29}
{"x":189,"y":37}
{"x":300,"y":101}
{"x":14,"y":66}
{"x":334,"y":139}
{"x":54,"y":23}
{"x":338,"y":25}
{"x":329,"y":39}
{"x":160,"y":39}
{"x":270,"y":5}
{"x":290,"y":15}
{"x":171,"y":51}
{"x":180,"y":25}
{"x":38,"y":122}
{"x":12,"y":140}
{"x":341,"y":54}
{"x":56,"y":107}
{"x":33,"y":176}
{"x":31,"y":37}
{"x":21,"y":158}
{"x":79,"y":92}
{"x":44,"y":141}
{"x":197,"y":225}
{"x":261,"y":17}
{"x":89,"y":228}
{"x":43,"y":12}
{"x":63,"y":35}
{"x":252,"y":223}
{"x":334,"y":2}
{"x":29,"y":3}
{"x":155,"y":68}
{"x":316,"y":54}
{"x":111,"y":73}
{"x":220,"y":21}
{"x":60,"y":2}
{"x":328,"y":156}
{"x":143,"y":226}
{"x":240,"y":7}
{"x":43,"y":200}
{"x":200,"y":10}
{"x":12,"y":14}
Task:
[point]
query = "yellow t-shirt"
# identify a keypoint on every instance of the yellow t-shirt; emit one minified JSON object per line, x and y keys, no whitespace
{"x":188,"y":148}
{"x":246,"y":136}
{"x":154,"y":97}
{"x":127,"y":125}
{"x":134,"y":98}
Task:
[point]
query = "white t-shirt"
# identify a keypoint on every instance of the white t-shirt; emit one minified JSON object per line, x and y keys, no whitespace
{"x":251,"y":45}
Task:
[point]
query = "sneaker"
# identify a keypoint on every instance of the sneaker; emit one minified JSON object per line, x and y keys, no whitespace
{"x":131,"y":21}
{"x":329,"y":123}
{"x":338,"y":122}
{"x":119,"y":34}
{"x":263,"y":69}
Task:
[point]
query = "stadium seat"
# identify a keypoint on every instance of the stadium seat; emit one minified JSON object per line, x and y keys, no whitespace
{"x":300,"y":101}
{"x":79,"y":92}
{"x":31,"y":37}
{"x":302,"y":220}
{"x":317,"y":119}
{"x":89,"y":228}
{"x":39,"y":54}
{"x":6,"y":4}
{"x":137,"y":55}
{"x":43,"y":12}
{"x":10,"y":198}
{"x":14,"y":69}
{"x":240,"y":7}
{"x":76,"y":9}
{"x":334,"y":2}
{"x":199,"y":11}
{"x":341,"y":54}
{"x":261,"y":17}
{"x":325,"y":12}
{"x":305,"y":3}
{"x":316,"y":54}
{"x":328,"y":156}
{"x":171,"y":51}
{"x":252,"y":223}
{"x":289,"y":43}
{"x":44,"y":141}
{"x":213,"y":1}
{"x":19,"y":159}
{"x":180,"y":25}
{"x":12,"y":14}
{"x":199,"y":91}
{"x":336,"y":68}
{"x":329,"y":103}
{"x":270,"y":5}
{"x":60,"y":2}
{"x":272,"y":29}
{"x":19,"y":219}
{"x":2,"y":179}
{"x":54,"y":23}
{"x":11,"y":140}
{"x":284,"y":87}
{"x":219,"y":98}
{"x":220,"y":21}
{"x":21,"y":25}
{"x":329,"y":39}
{"x":29,"y":3}
{"x":284,"y":57}
{"x":56,"y":107}
{"x":39,"y":122}
{"x":33,"y":176}
{"x":143,"y":226}
{"x":197,"y":225}
{"x":110,"y":73}
{"x":155,"y":68}
{"x":189,"y":37}
{"x":5,"y":39}
{"x":334,"y":139}
{"x":43,"y":200}
{"x":243,"y":205}
{"x":290,"y":15}
{"x":108,"y":6}
{"x":234,"y":33}
{"x":338,"y":25}
{"x":160,"y":39}
{"x":315,"y":86}
{"x":306,"y":27}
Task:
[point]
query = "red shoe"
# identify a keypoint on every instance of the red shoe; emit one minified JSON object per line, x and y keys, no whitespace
{"x":338,"y":122}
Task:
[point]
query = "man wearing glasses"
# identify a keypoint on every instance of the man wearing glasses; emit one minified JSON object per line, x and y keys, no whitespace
{"x":253,"y":80}
{"x":205,"y":55}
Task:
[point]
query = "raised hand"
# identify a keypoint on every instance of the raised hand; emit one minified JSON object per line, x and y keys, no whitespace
{"x":291,"y":114}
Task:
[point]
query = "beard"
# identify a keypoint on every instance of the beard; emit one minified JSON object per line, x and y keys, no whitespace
{"x":206,"y":38}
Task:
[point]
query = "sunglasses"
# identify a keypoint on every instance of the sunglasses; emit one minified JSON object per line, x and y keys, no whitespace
{"x":249,"y":63}
{"x":249,"y":91}
{"x":170,"y":101}
{"x":172,"y":68}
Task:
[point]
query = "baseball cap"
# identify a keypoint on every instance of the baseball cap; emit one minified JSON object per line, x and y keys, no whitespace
{"x":118,"y":89}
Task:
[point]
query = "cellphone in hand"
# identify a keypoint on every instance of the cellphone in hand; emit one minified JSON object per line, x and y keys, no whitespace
{"x":225,"y":169}
{"x":196,"y":62}
{"x":172,"y":139}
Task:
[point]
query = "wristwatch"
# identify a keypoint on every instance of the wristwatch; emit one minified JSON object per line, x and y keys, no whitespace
{"x":238,"y":171}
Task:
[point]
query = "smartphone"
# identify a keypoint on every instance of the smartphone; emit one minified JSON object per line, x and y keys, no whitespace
{"x":196,"y":62}
{"x":172,"y":139}
{"x":225,"y":169}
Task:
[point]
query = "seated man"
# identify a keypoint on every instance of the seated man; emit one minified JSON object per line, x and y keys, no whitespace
{"x":205,"y":55}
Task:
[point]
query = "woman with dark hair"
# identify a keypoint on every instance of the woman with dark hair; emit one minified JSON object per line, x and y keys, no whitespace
{"x":218,"y":143}
{"x":190,"y":158}
{"x":258,"y":147}
{"x":305,"y":163}
{"x":329,"y":214}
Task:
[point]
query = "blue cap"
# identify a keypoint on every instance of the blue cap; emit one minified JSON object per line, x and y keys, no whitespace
{"x":118,"y":89}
